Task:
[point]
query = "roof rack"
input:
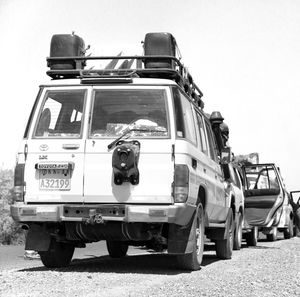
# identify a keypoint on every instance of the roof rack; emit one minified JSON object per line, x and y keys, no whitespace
{"x":179,"y":73}
{"x":159,"y":61}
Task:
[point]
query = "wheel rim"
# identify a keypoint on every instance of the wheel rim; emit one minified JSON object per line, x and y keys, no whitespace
{"x":231,"y":233}
{"x":239,"y":234}
{"x":199,"y":237}
{"x":275,"y":232}
{"x":255,"y":233}
{"x":291,"y":227}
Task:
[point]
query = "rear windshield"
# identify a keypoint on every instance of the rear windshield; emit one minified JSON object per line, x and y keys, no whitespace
{"x":61,"y":114}
{"x":117,"y":111}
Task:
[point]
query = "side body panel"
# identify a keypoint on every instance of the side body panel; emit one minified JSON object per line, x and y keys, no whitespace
{"x":205,"y":176}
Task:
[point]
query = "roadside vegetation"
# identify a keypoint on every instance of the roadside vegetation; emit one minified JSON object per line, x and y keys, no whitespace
{"x":10,"y":232}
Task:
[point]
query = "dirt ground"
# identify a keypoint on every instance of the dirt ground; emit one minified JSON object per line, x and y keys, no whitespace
{"x":269,"y":269}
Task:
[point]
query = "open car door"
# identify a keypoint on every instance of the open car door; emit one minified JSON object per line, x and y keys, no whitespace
{"x":295,"y":202}
{"x":264,"y":195}
{"x":295,"y":199}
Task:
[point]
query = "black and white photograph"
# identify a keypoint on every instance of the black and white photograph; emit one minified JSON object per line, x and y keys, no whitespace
{"x":150,"y":148}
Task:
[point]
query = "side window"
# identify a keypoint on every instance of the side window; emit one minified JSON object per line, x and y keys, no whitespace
{"x":274,"y":184}
{"x":33,"y":110}
{"x":184,"y":117}
{"x":203,"y":144}
{"x":226,"y":171}
{"x":211,"y":141}
{"x":261,"y":177}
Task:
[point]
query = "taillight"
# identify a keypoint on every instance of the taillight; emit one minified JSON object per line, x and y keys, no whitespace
{"x":19,"y":183}
{"x":181,"y":183}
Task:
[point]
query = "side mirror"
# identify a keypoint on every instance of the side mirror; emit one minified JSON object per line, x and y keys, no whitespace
{"x":226,"y":156}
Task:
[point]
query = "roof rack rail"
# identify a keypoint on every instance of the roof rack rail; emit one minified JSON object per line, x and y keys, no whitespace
{"x":159,"y":61}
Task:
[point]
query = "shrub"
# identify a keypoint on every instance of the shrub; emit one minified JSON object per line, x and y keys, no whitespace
{"x":10,"y":231}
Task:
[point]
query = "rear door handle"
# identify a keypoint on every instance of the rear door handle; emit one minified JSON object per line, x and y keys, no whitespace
{"x":71,"y":146}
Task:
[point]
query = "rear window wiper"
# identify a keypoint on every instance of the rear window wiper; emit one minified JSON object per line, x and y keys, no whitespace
{"x":135,"y":129}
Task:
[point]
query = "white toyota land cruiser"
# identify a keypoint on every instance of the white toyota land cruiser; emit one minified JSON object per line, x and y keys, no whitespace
{"x":123,"y":154}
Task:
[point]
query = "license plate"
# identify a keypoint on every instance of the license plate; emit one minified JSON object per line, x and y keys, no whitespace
{"x":55,"y":179}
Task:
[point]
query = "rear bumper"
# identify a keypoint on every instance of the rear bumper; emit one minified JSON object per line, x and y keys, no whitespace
{"x":97,"y":213}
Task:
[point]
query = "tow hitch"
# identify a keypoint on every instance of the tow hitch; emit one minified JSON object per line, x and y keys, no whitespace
{"x":94,"y":218}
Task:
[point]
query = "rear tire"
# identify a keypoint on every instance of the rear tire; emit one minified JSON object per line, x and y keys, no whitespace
{"x":273,"y":235}
{"x":193,"y":260}
{"x":251,"y":237}
{"x":238,"y":232}
{"x":116,"y":249}
{"x":224,"y":247}
{"x":289,"y":232}
{"x":59,"y":255}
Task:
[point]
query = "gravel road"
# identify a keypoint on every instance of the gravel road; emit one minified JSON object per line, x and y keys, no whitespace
{"x":269,"y":269}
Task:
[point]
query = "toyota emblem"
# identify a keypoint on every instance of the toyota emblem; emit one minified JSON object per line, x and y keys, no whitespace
{"x":44,"y":147}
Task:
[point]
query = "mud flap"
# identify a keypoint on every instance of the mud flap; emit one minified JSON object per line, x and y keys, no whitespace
{"x":37,"y":239}
{"x":218,"y":233}
{"x":180,"y":238}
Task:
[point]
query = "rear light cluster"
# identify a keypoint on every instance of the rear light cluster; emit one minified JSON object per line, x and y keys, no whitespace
{"x":181,"y":183}
{"x":19,"y":183}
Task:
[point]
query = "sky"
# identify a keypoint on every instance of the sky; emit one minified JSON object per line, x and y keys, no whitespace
{"x":243,"y":54}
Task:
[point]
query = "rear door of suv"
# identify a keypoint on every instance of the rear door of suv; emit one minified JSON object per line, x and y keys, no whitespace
{"x":115,"y":109}
{"x":55,"y":147}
